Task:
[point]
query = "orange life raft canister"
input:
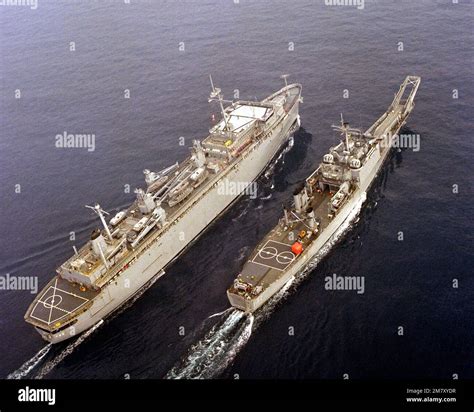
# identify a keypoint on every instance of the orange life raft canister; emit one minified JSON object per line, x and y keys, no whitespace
{"x":297,"y":248}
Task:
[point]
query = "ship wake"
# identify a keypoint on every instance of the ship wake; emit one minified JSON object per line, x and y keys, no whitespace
{"x":209,"y":357}
{"x":29,"y":365}
{"x":48,"y":367}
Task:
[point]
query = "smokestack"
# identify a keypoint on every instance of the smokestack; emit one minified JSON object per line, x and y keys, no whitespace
{"x":300,"y":198}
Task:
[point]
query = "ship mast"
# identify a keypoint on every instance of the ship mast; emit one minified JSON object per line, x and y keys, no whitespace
{"x":284,"y":77}
{"x":100,"y":212}
{"x":216,"y":96}
{"x":345,"y":130}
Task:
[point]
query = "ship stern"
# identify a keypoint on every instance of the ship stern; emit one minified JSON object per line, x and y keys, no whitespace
{"x":245,"y":304}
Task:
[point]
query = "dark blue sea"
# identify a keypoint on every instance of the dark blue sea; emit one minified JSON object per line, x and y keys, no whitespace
{"x":246,"y":45}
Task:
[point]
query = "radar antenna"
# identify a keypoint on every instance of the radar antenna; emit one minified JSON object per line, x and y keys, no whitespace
{"x":100,"y":212}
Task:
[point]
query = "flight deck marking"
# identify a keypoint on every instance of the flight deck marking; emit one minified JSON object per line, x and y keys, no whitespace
{"x":270,"y":255}
{"x":47,"y":304}
{"x":276,"y":241}
{"x":275,"y":257}
{"x":51,"y":305}
{"x":283,"y":257}
{"x":270,"y":267}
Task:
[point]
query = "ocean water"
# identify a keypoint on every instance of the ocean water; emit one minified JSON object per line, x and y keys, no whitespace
{"x":246,"y":46}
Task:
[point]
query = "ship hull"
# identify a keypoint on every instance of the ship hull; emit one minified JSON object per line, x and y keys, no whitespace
{"x":346,"y":214}
{"x":181,"y":233}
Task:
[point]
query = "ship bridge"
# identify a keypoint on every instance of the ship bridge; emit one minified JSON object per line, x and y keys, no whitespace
{"x":243,"y":117}
{"x":242,"y":122}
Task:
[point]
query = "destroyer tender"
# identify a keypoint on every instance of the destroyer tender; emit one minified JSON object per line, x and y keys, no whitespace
{"x":134,"y":248}
{"x":327,"y":199}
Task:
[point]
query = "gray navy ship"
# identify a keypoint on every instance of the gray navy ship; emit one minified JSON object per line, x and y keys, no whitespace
{"x":323,"y":204}
{"x":133,"y":248}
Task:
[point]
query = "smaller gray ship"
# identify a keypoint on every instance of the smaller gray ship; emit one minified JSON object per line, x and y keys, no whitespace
{"x":328,"y":199}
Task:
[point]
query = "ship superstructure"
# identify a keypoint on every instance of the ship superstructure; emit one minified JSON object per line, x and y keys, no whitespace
{"x":323,"y":203}
{"x":176,"y":205}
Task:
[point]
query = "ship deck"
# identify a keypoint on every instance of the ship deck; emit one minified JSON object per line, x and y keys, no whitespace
{"x":390,"y":116}
{"x":57,"y":302}
{"x":273,"y":256}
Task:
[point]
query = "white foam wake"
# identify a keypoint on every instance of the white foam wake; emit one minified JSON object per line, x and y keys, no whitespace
{"x":67,"y":351}
{"x":221,"y":313}
{"x":210,"y":356}
{"x":29,"y":365}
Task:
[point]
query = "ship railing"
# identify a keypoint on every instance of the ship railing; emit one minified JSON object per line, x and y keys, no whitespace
{"x":282,"y":90}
